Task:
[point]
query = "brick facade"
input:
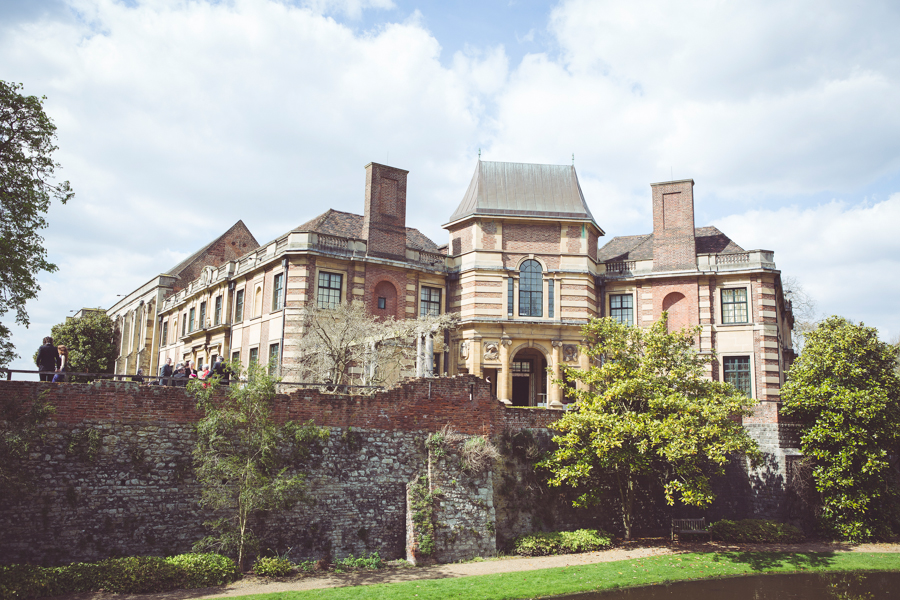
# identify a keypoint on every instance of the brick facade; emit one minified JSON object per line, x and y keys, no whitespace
{"x":384,"y":226}
{"x":674,"y":245}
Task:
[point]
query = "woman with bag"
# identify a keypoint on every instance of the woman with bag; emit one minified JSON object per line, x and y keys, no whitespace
{"x":60,"y":376}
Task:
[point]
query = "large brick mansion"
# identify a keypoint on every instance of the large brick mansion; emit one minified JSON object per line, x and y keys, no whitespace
{"x":523,"y":268}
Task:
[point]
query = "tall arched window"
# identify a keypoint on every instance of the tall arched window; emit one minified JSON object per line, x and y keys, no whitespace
{"x":531,"y":289}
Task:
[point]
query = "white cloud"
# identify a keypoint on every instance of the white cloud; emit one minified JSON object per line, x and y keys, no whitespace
{"x":845,"y":255}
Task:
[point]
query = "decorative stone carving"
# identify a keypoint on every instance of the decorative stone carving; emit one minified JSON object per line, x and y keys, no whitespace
{"x":491,"y":351}
{"x":464,"y":349}
{"x":556,"y":343}
{"x":570,"y":352}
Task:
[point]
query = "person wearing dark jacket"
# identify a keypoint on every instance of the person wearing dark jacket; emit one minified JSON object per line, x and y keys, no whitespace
{"x":47,"y":359}
{"x":166,"y":371}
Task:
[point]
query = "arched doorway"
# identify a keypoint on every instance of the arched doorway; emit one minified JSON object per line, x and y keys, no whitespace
{"x":529,"y":378}
{"x":677,"y":307}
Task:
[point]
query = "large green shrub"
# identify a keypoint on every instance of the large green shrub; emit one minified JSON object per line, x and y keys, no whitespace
{"x":562,"y":542}
{"x":131,"y":575}
{"x":755,"y":531}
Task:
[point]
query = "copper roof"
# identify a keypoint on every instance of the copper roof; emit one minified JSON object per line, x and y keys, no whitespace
{"x":707,"y":240}
{"x":518,"y":189}
{"x":347,"y":225}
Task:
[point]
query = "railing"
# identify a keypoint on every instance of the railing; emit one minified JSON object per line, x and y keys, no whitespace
{"x":333,"y":244}
{"x":432,"y":259}
{"x":620,"y":268}
{"x":733,"y":259}
{"x":106,"y":376}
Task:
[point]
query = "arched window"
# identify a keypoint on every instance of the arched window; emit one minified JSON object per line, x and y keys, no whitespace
{"x":531,"y":289}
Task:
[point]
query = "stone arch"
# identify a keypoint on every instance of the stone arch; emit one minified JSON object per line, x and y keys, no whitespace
{"x":537,"y":259}
{"x":384,"y":289}
{"x":532,"y":387}
{"x":676,"y":305}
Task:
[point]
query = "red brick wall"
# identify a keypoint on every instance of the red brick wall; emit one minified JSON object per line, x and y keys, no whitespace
{"x":465,"y":402}
{"x":673,"y":226}
{"x":489,"y":228}
{"x":233,"y":244}
{"x":687,"y":310}
{"x":384,"y":220}
{"x":573,"y":239}
{"x":531,"y":238}
{"x":592,"y":245}
{"x":378,"y":274}
{"x":461,"y":240}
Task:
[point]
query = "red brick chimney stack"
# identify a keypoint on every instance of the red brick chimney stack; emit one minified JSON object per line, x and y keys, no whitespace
{"x":674,"y":247}
{"x":384,"y":226}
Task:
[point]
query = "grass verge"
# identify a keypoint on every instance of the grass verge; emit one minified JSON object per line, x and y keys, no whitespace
{"x":604,"y":576}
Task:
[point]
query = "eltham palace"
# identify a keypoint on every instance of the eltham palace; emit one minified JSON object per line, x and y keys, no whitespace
{"x":525,"y":267}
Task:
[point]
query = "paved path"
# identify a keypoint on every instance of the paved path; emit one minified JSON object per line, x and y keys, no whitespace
{"x":639,"y":549}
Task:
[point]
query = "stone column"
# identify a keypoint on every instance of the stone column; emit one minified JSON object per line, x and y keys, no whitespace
{"x":556,"y":394}
{"x":420,"y":351}
{"x":504,"y":374}
{"x":475,"y":358}
{"x":429,"y":354}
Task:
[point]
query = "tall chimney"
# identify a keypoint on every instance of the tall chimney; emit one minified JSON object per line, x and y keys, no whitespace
{"x":674,"y":247}
{"x":384,"y":225}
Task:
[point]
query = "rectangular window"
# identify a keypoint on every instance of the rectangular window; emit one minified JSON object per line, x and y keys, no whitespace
{"x":184,"y":319}
{"x":382,"y":303}
{"x":164,"y":337}
{"x":202,"y":323}
{"x":329,"y":290}
{"x":191,"y":320}
{"x":523,"y":366}
{"x":217,"y":315}
{"x":273,"y":358}
{"x":236,"y":356}
{"x":510,"y":296}
{"x":621,"y":308}
{"x":239,"y":306}
{"x":278,"y":292}
{"x":734,"y":305}
{"x":254,"y":355}
{"x":737,"y":372}
{"x":430,"y":301}
{"x":550,"y":298}
{"x":200,"y":364}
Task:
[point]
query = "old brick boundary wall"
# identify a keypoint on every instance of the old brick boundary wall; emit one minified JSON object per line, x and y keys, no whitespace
{"x":137,"y":496}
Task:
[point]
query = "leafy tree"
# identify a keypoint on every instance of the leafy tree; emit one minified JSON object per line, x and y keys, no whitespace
{"x":244,"y":461}
{"x":646,"y":414}
{"x":91,"y":341}
{"x":845,"y":387}
{"x":26,"y":173}
{"x":20,"y":434}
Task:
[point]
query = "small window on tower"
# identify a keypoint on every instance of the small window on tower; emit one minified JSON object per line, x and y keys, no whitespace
{"x":382,"y":303}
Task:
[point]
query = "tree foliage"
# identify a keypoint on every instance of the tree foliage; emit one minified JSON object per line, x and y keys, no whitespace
{"x":845,"y":388}
{"x":381,"y":349}
{"x":27,"y":171}
{"x":803,"y":307}
{"x":20,"y":434}
{"x":646,"y":413}
{"x":246,"y":463}
{"x":91,"y":341}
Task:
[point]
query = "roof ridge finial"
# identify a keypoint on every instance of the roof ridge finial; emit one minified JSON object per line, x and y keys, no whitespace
{"x":479,"y":154}
{"x":573,"y":159}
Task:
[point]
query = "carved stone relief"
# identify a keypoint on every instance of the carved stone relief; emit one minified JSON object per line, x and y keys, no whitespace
{"x":464,"y":349}
{"x":570,"y":352}
{"x":491,"y":351}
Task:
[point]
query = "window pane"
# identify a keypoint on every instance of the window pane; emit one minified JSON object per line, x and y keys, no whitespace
{"x":239,"y":307}
{"x":278,"y":292}
{"x":191,"y":321}
{"x":217,"y":316}
{"x":254,"y":355}
{"x":550,"y":298}
{"x":734,"y":306}
{"x":329,"y":293}
{"x":531,"y":294}
{"x":737,"y":372}
{"x":202,"y":323}
{"x":510,"y":297}
{"x":430,"y":301}
{"x":621,"y":308}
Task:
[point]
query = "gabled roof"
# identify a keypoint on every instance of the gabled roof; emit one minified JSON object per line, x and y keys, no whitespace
{"x":519,"y":189}
{"x":347,"y":225}
{"x":177,"y":269}
{"x":707,"y":240}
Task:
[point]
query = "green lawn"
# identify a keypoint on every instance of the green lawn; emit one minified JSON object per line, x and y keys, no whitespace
{"x":602,"y":576}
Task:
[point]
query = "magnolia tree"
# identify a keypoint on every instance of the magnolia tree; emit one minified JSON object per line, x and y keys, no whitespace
{"x":846,"y":390}
{"x":647,"y":414}
{"x":347,"y":346}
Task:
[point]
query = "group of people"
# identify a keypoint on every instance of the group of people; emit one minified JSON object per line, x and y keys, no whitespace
{"x":52,"y":361}
{"x":179,"y":375}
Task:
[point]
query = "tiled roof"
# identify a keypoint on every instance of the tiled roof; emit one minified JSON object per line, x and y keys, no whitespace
{"x":177,"y":269}
{"x":347,"y":225}
{"x":517,"y":189}
{"x":707,"y":240}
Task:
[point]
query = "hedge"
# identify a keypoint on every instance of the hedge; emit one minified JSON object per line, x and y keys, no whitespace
{"x":131,"y":575}
{"x":755,"y":531}
{"x":562,"y":542}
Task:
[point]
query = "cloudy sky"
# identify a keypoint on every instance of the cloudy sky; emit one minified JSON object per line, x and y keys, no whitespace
{"x":176,"y":118}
